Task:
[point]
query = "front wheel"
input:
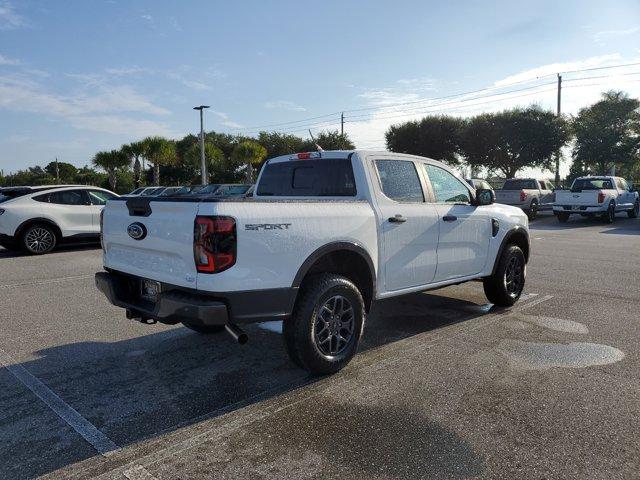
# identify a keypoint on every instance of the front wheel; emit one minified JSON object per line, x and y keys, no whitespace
{"x":563,"y":217}
{"x":505,"y":286}
{"x":38,"y":239}
{"x":323,"y":333}
{"x":633,"y":213}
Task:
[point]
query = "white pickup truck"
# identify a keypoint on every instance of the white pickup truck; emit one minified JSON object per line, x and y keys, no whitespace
{"x":324,"y":236}
{"x":590,"y":196}
{"x":529,"y":194}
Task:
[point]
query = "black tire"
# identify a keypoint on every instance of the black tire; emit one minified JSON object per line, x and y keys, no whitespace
{"x":330,"y":307}
{"x":205,"y":329}
{"x":532,"y":213}
{"x":633,"y":213}
{"x":610,"y":215}
{"x":563,"y":217}
{"x":501,"y":288}
{"x":38,"y":239}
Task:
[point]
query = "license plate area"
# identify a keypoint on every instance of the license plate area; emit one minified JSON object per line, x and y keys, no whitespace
{"x":149,"y":290}
{"x":575,"y":207}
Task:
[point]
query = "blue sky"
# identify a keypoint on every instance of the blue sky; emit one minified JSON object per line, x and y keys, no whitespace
{"x":81,"y":76}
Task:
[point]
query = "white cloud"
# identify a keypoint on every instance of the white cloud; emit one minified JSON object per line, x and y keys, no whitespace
{"x":553,"y":68}
{"x":602,"y":36}
{"x":119,"y":125}
{"x":225,"y":120}
{"x":9,"y":19}
{"x":367,"y":127}
{"x":8,"y":61}
{"x":284,"y":105}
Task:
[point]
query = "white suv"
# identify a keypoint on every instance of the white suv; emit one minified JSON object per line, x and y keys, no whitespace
{"x":36,"y":219}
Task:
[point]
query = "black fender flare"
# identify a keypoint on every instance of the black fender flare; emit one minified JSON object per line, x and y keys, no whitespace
{"x":334,"y":247}
{"x":511,"y":234}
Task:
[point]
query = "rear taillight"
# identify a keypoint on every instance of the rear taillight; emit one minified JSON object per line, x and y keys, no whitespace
{"x":214,"y":243}
{"x":523,"y":196}
{"x":600,"y":197}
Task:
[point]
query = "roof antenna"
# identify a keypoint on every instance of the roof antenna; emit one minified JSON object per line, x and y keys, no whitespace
{"x":318,"y":147}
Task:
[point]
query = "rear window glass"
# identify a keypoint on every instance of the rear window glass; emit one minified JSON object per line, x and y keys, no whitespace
{"x":517,"y":184}
{"x":13,"y":193}
{"x":325,"y":177}
{"x":591,"y":184}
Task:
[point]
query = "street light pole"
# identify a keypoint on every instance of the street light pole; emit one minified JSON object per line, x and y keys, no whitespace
{"x":203,"y":166}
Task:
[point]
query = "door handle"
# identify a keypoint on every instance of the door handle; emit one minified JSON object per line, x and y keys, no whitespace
{"x":449,"y":218}
{"x":397,"y":219}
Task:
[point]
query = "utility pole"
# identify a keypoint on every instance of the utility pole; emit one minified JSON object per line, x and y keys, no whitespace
{"x":57,"y":172}
{"x":342,"y":124}
{"x":558,"y":153}
{"x":203,"y":165}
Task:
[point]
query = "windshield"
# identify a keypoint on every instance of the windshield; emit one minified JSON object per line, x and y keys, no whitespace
{"x":519,"y":184}
{"x":170,"y":191}
{"x":591,"y":184}
{"x":232,"y":190}
{"x":137,"y":190}
{"x":10,"y":194}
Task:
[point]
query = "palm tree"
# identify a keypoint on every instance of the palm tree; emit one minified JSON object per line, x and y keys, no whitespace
{"x":111,"y":162}
{"x":159,"y":151}
{"x":134,"y":151}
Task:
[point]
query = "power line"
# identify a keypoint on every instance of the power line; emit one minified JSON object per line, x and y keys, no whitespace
{"x":247,"y":130}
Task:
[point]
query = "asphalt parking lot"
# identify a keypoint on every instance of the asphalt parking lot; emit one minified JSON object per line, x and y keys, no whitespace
{"x":444,"y":385}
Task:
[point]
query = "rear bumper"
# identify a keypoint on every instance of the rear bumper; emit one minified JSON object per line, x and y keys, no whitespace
{"x":178,"y":304}
{"x":580,"y":209}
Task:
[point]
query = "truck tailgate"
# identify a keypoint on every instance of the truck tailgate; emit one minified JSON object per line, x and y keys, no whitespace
{"x":508,"y":197}
{"x":586,"y":197}
{"x":165,"y":253}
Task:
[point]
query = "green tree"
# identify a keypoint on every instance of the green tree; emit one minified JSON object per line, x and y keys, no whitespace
{"x":281,"y":143}
{"x":215,"y":160}
{"x":88,"y":176}
{"x":249,"y":154}
{"x":112,"y":162}
{"x":67,"y":172}
{"x":608,"y":134}
{"x":435,"y":136}
{"x":135,"y":152}
{"x":511,"y":140}
{"x":159,"y":151}
{"x":328,"y":140}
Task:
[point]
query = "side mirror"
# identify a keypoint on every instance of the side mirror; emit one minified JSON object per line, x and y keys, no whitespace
{"x":485,"y":196}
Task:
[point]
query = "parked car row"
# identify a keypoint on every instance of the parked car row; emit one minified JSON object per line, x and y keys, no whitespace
{"x":37,"y":219}
{"x":590,"y":196}
{"x":215,"y":189}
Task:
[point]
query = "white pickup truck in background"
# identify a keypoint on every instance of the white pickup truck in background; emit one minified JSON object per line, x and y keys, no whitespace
{"x":529,"y":194}
{"x":323,"y":237}
{"x":591,"y":196}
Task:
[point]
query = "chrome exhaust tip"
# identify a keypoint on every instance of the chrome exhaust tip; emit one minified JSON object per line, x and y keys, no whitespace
{"x":237,"y":333}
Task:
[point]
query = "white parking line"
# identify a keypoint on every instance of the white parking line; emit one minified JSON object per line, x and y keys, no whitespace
{"x":86,"y":429}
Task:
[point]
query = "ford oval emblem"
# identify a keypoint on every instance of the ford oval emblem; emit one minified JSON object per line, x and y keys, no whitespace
{"x":137,"y":231}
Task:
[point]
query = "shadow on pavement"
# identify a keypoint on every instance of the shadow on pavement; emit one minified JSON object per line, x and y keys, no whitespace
{"x":621,"y":225}
{"x":138,"y":388}
{"x":65,"y":247}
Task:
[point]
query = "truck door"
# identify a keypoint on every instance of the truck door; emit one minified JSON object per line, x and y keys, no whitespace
{"x":465,"y":229}
{"x":408,"y":225}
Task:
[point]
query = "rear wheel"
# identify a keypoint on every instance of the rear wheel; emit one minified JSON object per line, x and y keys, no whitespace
{"x":38,"y":239}
{"x":505,"y":286}
{"x":633,"y":213}
{"x":532,"y":213}
{"x":323,"y":333}
{"x":205,"y":329}
{"x":563,"y":217}
{"x":610,"y":215}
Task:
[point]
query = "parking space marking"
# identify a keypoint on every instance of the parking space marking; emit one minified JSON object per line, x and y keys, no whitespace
{"x":138,"y":473}
{"x":47,"y":281}
{"x":66,"y":412}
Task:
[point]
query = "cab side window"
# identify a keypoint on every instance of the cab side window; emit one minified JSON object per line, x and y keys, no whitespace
{"x":446,"y":187}
{"x":99,"y":197}
{"x":399,"y":180}
{"x":69,"y":197}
